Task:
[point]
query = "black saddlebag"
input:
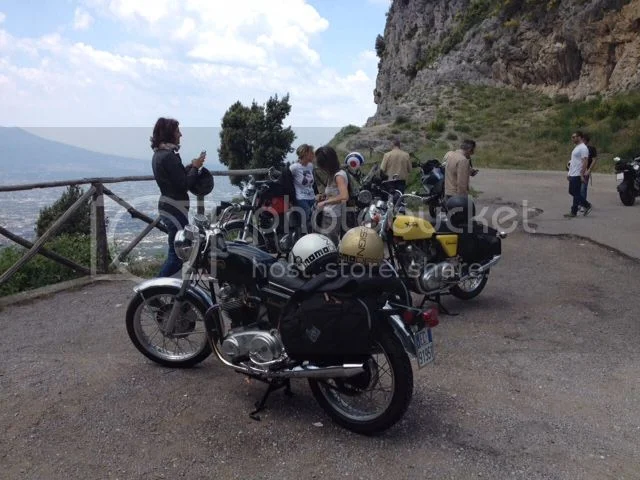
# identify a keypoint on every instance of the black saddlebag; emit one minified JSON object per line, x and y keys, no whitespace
{"x":478,"y":247}
{"x":327,"y":327}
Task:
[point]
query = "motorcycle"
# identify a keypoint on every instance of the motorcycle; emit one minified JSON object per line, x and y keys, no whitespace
{"x":628,"y":178}
{"x":454,"y":257}
{"x":268,"y":221}
{"x":432,"y":180}
{"x":235,"y":300}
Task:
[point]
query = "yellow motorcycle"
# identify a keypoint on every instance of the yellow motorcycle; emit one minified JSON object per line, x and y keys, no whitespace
{"x":454,"y":255}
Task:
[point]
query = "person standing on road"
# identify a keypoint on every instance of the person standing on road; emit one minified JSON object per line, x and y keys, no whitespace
{"x":591,"y":164}
{"x":576,"y":175}
{"x":397,"y":162}
{"x":174,"y":181}
{"x":458,"y":169}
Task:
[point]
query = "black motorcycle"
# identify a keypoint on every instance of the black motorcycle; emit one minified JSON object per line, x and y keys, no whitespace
{"x":628,"y":178}
{"x":350,"y":337}
{"x":268,"y":219}
{"x":432,"y":180}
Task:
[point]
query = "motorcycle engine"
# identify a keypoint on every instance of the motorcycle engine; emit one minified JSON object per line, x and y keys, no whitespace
{"x":260,"y":346}
{"x":427,"y":277}
{"x":236,"y":306}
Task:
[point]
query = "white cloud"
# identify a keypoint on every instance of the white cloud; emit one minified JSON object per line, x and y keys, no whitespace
{"x":185,"y":30}
{"x":82,"y":20}
{"x":2,"y":17}
{"x":150,"y":11}
{"x":189,"y":59}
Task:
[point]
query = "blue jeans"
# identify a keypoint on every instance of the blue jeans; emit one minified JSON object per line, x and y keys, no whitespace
{"x":172,"y":264}
{"x":575,"y":190}
{"x":584,"y":187}
{"x":307,"y":206}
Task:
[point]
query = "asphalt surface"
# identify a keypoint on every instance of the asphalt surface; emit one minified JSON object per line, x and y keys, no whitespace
{"x":546,"y":199}
{"x":539,"y":377}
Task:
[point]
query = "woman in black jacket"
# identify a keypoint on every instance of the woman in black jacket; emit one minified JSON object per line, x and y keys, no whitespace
{"x":174,"y":181}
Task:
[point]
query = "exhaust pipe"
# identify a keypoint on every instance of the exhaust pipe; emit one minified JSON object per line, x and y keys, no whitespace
{"x":300,"y":371}
{"x":481,"y":268}
{"x":312,"y":371}
{"x":489,"y":264}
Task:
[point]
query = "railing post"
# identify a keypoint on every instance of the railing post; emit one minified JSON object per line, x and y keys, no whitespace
{"x":99,"y":247}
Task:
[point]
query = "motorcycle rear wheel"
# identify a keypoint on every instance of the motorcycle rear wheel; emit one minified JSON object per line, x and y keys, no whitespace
{"x":470,"y":288}
{"x":350,"y":402}
{"x":186,"y":346}
{"x":628,"y":198}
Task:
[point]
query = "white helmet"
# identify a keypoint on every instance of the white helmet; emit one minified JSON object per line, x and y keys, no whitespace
{"x":354,"y":160}
{"x":312,"y":253}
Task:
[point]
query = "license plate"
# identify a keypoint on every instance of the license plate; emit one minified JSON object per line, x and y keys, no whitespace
{"x":424,"y":347}
{"x":619,"y":176}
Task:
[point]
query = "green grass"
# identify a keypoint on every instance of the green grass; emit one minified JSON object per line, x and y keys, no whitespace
{"x":527,"y":130}
{"x":40,"y":271}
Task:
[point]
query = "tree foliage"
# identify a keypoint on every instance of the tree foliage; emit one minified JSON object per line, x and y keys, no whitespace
{"x":253,"y":137}
{"x":78,"y":223}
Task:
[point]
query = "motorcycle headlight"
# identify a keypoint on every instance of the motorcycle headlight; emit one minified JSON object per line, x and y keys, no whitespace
{"x":616,"y":159}
{"x":248,"y":192}
{"x":636,"y":167}
{"x":365,"y":196}
{"x":184,"y":241}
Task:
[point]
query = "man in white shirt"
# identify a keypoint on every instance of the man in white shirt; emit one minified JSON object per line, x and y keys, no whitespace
{"x":577,"y":174}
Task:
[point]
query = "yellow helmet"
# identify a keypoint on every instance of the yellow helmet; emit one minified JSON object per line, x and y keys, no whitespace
{"x":361,"y":245}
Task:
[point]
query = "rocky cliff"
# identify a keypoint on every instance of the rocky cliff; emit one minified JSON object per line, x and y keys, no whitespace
{"x":576,"y":48}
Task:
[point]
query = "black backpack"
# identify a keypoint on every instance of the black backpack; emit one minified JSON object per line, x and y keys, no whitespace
{"x":286,"y":181}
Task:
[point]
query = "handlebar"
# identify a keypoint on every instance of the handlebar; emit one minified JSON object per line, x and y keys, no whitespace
{"x":220,"y":242}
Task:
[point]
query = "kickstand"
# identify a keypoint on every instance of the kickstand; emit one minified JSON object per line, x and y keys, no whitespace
{"x":273,"y":386}
{"x":441,"y":308}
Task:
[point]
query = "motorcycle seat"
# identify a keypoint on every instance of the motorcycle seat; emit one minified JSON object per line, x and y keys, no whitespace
{"x":281,"y":276}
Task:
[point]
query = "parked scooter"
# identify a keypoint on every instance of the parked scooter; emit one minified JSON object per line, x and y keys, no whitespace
{"x":628,"y":178}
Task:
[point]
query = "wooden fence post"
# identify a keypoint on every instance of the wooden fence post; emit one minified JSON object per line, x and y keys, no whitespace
{"x":99,"y":247}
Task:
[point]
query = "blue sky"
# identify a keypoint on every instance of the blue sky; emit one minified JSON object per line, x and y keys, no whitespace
{"x":123,"y":63}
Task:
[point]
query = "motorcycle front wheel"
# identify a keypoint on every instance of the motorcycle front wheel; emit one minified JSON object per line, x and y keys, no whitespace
{"x":375,"y":400}
{"x":147,"y":314}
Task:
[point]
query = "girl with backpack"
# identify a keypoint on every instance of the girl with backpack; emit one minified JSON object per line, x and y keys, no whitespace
{"x":336,"y":194}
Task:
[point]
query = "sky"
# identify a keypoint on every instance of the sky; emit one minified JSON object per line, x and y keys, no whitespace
{"x":71,"y":68}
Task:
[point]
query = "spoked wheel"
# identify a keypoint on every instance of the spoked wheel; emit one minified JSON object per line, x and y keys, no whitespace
{"x":373,"y":401}
{"x":471,"y":287}
{"x":146,"y":320}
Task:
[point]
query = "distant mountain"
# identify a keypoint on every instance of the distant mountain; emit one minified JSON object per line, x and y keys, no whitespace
{"x":25,"y":157}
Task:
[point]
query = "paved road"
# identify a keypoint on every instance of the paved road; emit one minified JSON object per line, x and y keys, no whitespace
{"x":538,"y":378}
{"x":610,"y":223}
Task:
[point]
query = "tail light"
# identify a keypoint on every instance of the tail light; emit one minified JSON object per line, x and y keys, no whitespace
{"x":408,"y":317}
{"x":430,"y":317}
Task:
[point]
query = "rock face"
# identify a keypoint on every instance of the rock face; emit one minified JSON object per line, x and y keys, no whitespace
{"x":573,"y":47}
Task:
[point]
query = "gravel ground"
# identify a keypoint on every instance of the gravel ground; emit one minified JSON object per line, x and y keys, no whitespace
{"x":539,"y":377}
